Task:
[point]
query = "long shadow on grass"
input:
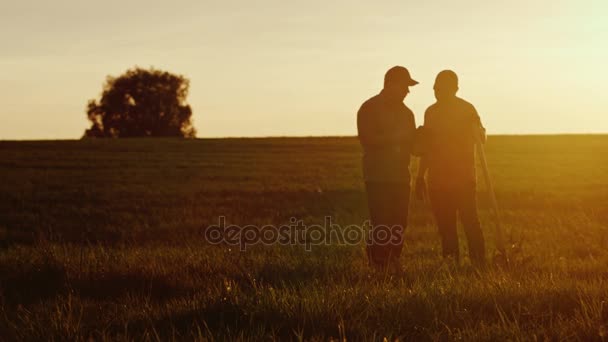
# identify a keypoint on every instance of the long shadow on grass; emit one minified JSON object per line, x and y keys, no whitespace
{"x":113,"y":286}
{"x":145,"y":217}
{"x":35,"y":284}
{"x":27,"y":284}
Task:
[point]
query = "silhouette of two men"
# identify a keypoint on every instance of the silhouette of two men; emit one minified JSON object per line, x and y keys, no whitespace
{"x":446,"y":145}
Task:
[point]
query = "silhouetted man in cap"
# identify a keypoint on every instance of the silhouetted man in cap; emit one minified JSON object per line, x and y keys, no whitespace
{"x":451,"y":130}
{"x":386,"y":131}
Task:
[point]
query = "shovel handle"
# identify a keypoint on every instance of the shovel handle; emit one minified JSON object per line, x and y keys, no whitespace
{"x":499,"y":233}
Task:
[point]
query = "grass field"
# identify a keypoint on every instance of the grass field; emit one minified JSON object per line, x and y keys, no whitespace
{"x":104,"y":239}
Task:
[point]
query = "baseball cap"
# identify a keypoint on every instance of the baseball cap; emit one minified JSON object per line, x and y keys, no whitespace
{"x":399,"y":74}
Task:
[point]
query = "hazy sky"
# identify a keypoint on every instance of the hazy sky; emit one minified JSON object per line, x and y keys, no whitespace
{"x":261,"y":68}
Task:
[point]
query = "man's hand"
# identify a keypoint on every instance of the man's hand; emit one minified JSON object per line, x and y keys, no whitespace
{"x":420,"y":143}
{"x":420,"y":189}
{"x":482,"y":134}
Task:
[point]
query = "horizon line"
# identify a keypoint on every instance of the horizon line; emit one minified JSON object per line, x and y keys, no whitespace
{"x":287,"y":137}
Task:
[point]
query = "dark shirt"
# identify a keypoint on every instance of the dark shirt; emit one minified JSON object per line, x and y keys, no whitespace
{"x":452,"y":128}
{"x":386,"y":131}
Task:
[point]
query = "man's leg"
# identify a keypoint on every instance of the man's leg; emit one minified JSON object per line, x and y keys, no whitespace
{"x":444,"y":210}
{"x":378,"y":201}
{"x":400,"y":201}
{"x":467,"y":204}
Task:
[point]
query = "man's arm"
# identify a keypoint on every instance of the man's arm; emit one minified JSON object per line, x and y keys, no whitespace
{"x":479,"y":132}
{"x":423,"y":167}
{"x":408,"y":133}
{"x":422,"y":146}
{"x":420,"y":185}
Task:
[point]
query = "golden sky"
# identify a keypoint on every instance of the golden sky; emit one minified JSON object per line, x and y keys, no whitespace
{"x":282,"y":68}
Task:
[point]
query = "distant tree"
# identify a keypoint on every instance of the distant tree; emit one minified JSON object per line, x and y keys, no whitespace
{"x":142,"y":103}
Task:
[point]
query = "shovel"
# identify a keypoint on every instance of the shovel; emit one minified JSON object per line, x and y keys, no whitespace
{"x":499,"y":234}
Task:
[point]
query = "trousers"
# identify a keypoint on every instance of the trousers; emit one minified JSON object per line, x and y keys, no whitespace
{"x":388,"y":204}
{"x":449,"y":203}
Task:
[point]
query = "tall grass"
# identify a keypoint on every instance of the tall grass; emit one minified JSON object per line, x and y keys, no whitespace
{"x":103,"y":239}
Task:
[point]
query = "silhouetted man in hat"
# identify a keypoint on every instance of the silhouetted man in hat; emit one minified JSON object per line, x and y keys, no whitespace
{"x":451,"y":130}
{"x":386,"y":131}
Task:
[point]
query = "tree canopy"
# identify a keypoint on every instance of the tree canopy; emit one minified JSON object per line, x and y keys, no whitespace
{"x":142,"y":103}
